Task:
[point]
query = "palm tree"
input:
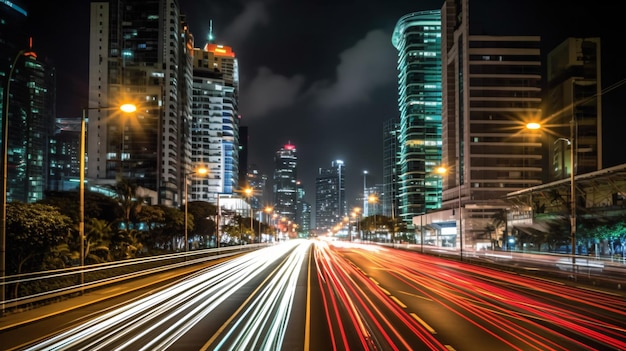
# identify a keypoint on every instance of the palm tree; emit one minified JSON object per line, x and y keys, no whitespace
{"x":97,"y":239}
{"x":499,"y":220}
{"x":126,"y":191}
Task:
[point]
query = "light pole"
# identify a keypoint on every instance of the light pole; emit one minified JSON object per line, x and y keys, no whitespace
{"x":248,"y":192}
{"x":443,"y":170}
{"x":218,"y":214}
{"x":5,"y":156}
{"x":201,"y":171}
{"x":274,"y":225}
{"x":127,"y":108}
{"x":358,"y":225}
{"x":267,"y":210}
{"x":365,"y":197}
{"x":572,"y":146}
{"x":373,"y":199}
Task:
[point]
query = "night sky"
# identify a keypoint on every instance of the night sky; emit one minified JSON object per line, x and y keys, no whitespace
{"x":321,"y":74}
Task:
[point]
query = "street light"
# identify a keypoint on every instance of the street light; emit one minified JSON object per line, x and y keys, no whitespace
{"x":274,"y":225}
{"x":127,"y":108}
{"x":443,"y":170}
{"x":267,"y":210}
{"x":373,"y":199}
{"x":218,"y":215}
{"x":249,"y":192}
{"x":357,"y":211}
{"x":365,"y":207}
{"x":571,"y":142}
{"x":200,"y":171}
{"x":5,"y":156}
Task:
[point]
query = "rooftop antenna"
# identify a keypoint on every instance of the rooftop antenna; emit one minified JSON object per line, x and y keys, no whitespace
{"x":210,"y":37}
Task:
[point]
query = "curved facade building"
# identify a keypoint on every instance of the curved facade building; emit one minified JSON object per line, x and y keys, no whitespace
{"x":417,"y":37}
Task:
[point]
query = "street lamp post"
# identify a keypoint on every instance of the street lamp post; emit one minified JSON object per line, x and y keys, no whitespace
{"x":127,"y":108}
{"x":373,"y":199}
{"x":267,"y":210}
{"x":358,"y":225}
{"x":218,"y":214}
{"x":571,"y":141}
{"x":5,"y":156}
{"x":274,"y":225}
{"x":443,"y":170}
{"x":201,"y":171}
{"x":248,"y":192}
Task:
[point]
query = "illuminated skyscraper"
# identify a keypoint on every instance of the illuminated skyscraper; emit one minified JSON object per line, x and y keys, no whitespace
{"x":30,"y":109}
{"x":417,"y":36}
{"x":285,"y":182}
{"x":330,"y":196}
{"x":140,"y":52}
{"x":215,"y":126}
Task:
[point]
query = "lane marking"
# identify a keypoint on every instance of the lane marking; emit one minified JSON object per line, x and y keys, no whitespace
{"x":424,"y":324}
{"x":397,"y":301}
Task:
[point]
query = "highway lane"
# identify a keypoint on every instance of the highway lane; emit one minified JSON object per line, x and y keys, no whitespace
{"x":321,"y":295}
{"x":469,"y":307}
{"x":243,"y":303}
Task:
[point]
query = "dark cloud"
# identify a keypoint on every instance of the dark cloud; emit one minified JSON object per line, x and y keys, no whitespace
{"x":253,"y":15}
{"x":268,"y":92}
{"x":364,"y":67}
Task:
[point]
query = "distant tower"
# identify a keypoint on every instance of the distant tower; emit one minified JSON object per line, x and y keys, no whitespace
{"x":285,"y":182}
{"x":330,"y":198}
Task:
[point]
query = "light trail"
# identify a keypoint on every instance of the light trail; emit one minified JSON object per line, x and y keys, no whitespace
{"x":164,"y":317}
{"x":522,"y":312}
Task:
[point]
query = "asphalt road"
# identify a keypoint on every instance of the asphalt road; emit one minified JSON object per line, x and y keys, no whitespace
{"x":316,"y":295}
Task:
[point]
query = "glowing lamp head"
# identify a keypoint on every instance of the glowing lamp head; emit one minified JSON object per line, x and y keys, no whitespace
{"x":533,"y":125}
{"x":128,"y":108}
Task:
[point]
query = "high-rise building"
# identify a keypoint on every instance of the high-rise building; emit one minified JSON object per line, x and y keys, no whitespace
{"x":215,"y":122}
{"x":303,"y":212}
{"x":491,"y":85}
{"x":574,"y":93}
{"x":139,"y":52}
{"x":491,"y":89}
{"x":330,"y":196}
{"x":30,"y":85}
{"x":257,"y":180}
{"x":285,"y":182}
{"x":31,"y":123}
{"x":417,"y":37}
{"x":65,"y":154}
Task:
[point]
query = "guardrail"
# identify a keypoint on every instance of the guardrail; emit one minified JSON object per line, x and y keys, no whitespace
{"x":598,"y":272}
{"x":34,"y":289}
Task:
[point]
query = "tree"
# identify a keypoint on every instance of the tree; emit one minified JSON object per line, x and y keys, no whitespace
{"x":499,"y":222}
{"x":97,"y":239}
{"x":33,"y":230}
{"x":126,"y":192}
{"x":125,"y":244}
{"x":96,"y":205}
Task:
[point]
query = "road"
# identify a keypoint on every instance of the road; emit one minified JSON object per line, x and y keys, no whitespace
{"x":321,"y":295}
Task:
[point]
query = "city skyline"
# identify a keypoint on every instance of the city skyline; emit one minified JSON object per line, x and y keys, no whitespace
{"x":331,"y":87}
